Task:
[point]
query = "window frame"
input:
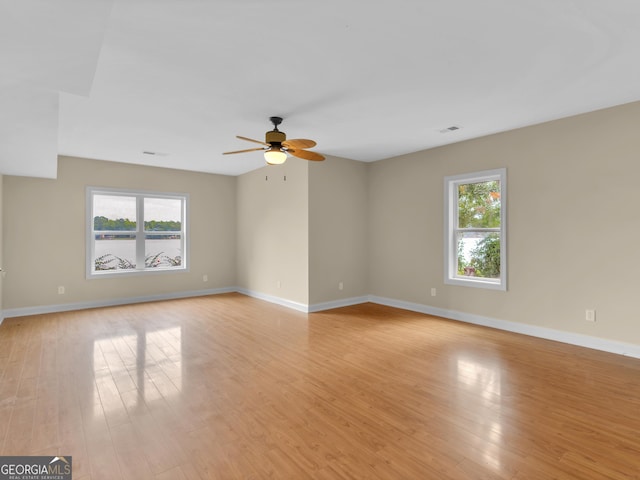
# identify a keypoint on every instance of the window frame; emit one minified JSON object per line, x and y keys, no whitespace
{"x":451,"y":183}
{"x":139,"y":233}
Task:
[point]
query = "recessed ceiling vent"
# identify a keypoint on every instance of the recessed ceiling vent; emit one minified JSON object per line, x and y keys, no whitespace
{"x":452,"y":128}
{"x":156,"y":154}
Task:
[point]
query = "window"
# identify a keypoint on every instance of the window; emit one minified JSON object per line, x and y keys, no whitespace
{"x":132,"y":232}
{"x":475,"y":229}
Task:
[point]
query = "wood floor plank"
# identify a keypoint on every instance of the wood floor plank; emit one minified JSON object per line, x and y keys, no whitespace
{"x":227,"y":387}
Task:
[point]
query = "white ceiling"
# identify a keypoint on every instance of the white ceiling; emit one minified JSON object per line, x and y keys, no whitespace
{"x":110,"y":79}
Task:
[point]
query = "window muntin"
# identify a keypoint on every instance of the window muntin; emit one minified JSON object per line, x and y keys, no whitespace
{"x":133,"y":232}
{"x":475,"y":243}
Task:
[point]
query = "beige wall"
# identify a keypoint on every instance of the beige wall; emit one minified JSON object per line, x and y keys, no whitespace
{"x":44,"y":234}
{"x":573,"y":224}
{"x":273,"y":231}
{"x":337,"y":230}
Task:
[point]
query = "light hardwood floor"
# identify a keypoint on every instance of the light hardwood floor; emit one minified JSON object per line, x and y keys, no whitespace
{"x":232,"y":387}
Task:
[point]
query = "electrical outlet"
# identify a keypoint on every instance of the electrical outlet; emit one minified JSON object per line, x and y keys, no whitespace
{"x":433,"y":292}
{"x":340,"y":286}
{"x":590,"y":315}
{"x":205,"y":278}
{"x":60,"y":290}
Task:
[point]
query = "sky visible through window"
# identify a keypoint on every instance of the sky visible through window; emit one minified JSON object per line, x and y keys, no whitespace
{"x":115,"y":207}
{"x":167,"y":209}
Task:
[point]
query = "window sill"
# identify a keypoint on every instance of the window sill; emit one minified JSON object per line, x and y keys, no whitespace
{"x":134,"y":273}
{"x":476,"y":282}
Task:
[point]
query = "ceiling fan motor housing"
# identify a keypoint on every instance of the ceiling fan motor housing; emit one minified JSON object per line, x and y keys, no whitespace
{"x":275,"y":136}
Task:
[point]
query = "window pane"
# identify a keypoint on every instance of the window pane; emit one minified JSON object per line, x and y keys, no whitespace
{"x":478,"y":254}
{"x":479,"y":205}
{"x":114,"y":252}
{"x":163,"y":251}
{"x":114,"y":212}
{"x":162,"y":214}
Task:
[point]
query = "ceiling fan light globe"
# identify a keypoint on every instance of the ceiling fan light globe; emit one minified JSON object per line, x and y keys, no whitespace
{"x":275,"y":157}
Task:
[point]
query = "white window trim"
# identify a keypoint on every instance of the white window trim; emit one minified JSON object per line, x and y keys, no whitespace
{"x":89,"y":244}
{"x":451,"y":183}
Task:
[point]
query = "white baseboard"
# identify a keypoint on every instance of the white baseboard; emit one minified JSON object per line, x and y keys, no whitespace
{"x":301,"y":307}
{"x":112,"y":302}
{"x":612,"y":346}
{"x":345,"y":302}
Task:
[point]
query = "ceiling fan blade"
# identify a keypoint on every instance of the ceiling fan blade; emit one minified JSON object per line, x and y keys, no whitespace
{"x":242,"y":151}
{"x":299,"y":143}
{"x":306,"y":155}
{"x":252,"y":140}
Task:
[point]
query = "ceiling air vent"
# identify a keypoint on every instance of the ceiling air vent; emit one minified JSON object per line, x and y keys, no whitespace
{"x":156,"y":154}
{"x":452,"y":128}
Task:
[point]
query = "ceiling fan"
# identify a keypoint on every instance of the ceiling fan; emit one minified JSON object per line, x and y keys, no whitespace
{"x":276,"y":146}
